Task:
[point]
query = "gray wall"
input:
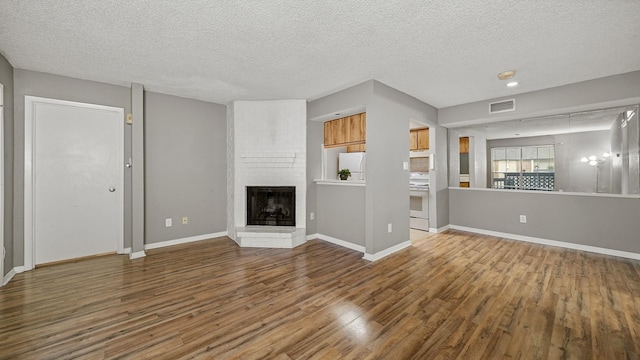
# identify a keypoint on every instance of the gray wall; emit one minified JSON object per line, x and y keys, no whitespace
{"x":341,"y":212}
{"x":438,"y":179}
{"x":617,"y":90}
{"x":59,"y":87}
{"x":345,"y":101}
{"x":6,"y":79}
{"x":326,"y":206}
{"x":315,"y":136}
{"x":593,"y":220}
{"x":137,"y":170}
{"x":386,"y":198}
{"x":601,"y":221}
{"x":185,"y":167}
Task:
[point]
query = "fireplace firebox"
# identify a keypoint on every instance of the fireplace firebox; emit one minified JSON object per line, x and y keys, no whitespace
{"x":271,"y":205}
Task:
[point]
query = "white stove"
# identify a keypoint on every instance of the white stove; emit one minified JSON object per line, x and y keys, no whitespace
{"x":419,"y":201}
{"x":418,"y":181}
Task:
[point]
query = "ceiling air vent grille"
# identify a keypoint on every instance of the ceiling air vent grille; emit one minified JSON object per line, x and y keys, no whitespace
{"x":502,"y":106}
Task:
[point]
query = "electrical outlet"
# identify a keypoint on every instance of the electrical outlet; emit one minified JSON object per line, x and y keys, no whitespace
{"x":167,"y":222}
{"x":389,"y":227}
{"x":523,"y":219}
{"x":185,"y":220}
{"x":312,"y":216}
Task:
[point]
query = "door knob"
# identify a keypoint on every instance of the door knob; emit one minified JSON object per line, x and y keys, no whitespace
{"x":112,"y":189}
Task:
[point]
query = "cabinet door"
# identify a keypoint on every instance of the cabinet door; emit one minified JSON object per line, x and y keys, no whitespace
{"x":328,"y":134}
{"x":338,"y":131}
{"x":413,"y":140}
{"x":357,"y":148}
{"x":353,"y":128}
{"x":363,"y":127}
{"x":464,"y":145}
{"x":423,"y":139}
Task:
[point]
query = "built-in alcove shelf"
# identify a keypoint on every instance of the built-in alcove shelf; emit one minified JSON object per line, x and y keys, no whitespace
{"x":270,"y":236}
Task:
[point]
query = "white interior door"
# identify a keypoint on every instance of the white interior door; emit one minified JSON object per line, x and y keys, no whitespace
{"x":77,"y":179}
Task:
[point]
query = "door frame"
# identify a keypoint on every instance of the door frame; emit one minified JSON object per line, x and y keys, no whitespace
{"x":30,"y":103}
{"x":2,"y":248}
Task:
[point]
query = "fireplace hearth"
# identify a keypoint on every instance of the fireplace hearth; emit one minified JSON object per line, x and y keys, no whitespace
{"x":271,"y":205}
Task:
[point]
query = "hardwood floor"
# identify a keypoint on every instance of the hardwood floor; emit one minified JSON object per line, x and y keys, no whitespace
{"x":450,"y":295}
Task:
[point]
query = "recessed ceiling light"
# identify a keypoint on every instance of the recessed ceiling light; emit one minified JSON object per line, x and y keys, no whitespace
{"x":512,"y":84}
{"x":509,"y":74}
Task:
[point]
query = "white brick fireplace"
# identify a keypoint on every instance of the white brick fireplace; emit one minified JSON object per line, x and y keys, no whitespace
{"x":266,"y":146}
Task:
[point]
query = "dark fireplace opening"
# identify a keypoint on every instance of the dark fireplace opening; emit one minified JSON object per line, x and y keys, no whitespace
{"x":271,"y":205}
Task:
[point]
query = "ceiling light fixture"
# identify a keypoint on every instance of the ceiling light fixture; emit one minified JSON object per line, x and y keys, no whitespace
{"x":505,"y":75}
{"x":512,"y":84}
{"x":593,"y":160}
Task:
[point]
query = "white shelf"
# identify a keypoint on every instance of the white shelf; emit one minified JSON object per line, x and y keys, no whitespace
{"x":340,"y":182}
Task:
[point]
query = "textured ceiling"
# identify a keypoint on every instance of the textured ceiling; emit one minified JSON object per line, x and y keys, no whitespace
{"x":442,"y":52}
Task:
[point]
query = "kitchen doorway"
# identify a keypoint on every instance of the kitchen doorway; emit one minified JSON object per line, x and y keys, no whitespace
{"x":419,"y":167}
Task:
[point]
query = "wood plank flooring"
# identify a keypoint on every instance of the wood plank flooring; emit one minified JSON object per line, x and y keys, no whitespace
{"x":453,"y":295}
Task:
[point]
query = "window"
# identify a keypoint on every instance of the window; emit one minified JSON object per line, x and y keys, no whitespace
{"x":523,"y":168}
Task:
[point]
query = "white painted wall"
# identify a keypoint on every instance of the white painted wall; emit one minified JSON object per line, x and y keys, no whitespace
{"x":263,"y":136}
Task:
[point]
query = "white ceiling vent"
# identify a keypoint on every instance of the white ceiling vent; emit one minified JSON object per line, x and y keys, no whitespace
{"x":502,"y":106}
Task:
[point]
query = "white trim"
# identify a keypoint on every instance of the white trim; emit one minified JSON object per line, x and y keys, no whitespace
{"x":562,"y":244}
{"x":29,"y":113}
{"x":184,"y":240}
{"x":343,"y":243}
{"x":19,"y":269}
{"x":9,"y":276}
{"x":125,"y":251}
{"x":439,"y":230}
{"x":137,"y":254}
{"x":388,"y":251}
{"x":2,"y":249}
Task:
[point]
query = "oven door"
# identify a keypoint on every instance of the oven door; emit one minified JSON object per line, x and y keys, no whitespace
{"x":419,"y":204}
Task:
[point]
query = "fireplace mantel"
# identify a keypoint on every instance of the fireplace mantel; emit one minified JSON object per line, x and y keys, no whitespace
{"x":269,"y":160}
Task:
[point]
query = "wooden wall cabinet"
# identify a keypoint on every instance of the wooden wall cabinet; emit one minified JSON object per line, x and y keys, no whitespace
{"x":350,"y":130}
{"x":419,"y":139}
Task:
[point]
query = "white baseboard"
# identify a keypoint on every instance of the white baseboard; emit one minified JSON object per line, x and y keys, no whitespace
{"x":19,"y":269}
{"x":386,"y":252}
{"x":562,"y":244}
{"x":336,"y":241}
{"x":439,"y":230}
{"x":137,"y":254}
{"x":9,"y":276}
{"x":125,"y":251}
{"x":184,"y":240}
